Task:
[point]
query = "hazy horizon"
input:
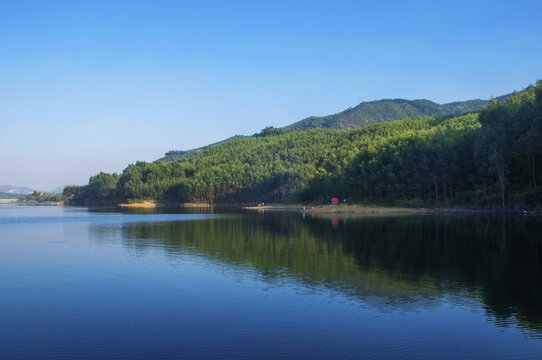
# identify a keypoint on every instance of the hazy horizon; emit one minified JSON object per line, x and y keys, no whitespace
{"x":94,"y":86}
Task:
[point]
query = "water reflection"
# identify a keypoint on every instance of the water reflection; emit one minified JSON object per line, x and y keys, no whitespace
{"x":401,"y":263}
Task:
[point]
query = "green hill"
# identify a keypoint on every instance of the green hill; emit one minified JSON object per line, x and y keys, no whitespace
{"x":364,"y":114}
{"x":486,"y":158}
{"x":311,"y":165}
{"x":174,"y":155}
{"x":380,"y":111}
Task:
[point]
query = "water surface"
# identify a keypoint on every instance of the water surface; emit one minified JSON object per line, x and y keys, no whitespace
{"x":95,"y":283}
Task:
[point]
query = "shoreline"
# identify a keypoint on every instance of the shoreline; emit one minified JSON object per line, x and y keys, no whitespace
{"x":345,"y":209}
{"x":359,"y":209}
{"x":8,"y":201}
{"x":350,"y":209}
{"x":27,"y":203}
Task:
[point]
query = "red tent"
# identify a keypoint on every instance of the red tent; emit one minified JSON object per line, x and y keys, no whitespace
{"x":334,"y":201}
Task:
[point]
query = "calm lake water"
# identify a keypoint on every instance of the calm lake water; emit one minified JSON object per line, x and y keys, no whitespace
{"x":96,"y":283}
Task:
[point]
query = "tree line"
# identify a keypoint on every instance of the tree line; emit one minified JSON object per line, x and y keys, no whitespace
{"x":492,"y":157}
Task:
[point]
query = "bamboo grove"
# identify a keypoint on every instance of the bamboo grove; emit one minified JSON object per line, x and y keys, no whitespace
{"x":492,"y":157}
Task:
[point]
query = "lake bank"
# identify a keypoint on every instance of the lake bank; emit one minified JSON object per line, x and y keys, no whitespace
{"x":15,"y":202}
{"x":346,"y":209}
{"x":351,"y":209}
{"x":7,"y":201}
{"x":360,"y":209}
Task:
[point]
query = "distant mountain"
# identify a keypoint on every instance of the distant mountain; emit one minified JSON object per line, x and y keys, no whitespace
{"x":4,"y":195}
{"x":371,"y":112}
{"x":379,"y":111}
{"x":12,"y":189}
{"x":366,"y":113}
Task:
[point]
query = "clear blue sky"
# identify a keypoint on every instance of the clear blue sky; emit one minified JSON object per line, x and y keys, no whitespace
{"x":95,"y":85}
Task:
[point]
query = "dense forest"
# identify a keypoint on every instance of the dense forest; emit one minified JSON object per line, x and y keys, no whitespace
{"x":366,"y":113}
{"x":492,"y":157}
{"x":174,"y":155}
{"x":372,"y":112}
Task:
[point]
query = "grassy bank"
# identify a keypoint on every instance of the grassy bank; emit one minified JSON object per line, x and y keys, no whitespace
{"x":343,"y":208}
{"x":360,"y":209}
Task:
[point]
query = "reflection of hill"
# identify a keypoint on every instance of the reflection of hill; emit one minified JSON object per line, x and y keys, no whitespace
{"x":282,"y":247}
{"x":459,"y":254}
{"x":389,"y":263}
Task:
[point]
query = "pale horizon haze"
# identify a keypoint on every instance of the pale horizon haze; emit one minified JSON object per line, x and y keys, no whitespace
{"x":89,"y":86}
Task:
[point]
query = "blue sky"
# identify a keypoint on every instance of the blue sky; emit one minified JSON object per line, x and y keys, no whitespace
{"x":87,"y":86}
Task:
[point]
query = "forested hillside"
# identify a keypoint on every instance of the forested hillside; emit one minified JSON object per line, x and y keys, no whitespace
{"x":379,"y":111}
{"x":493,"y":157}
{"x":364,"y":114}
{"x":174,"y":155}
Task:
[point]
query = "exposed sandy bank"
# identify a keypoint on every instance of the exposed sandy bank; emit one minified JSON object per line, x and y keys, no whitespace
{"x":153,"y":204}
{"x":146,"y":204}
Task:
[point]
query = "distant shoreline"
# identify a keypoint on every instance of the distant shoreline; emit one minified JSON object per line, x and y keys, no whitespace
{"x":344,"y":209}
{"x":19,"y":202}
{"x":340,"y":209}
{"x":7,"y":201}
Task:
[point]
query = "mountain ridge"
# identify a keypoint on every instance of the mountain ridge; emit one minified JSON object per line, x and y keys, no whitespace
{"x":361,"y":115}
{"x":385,"y":110}
{"x":15,"y":190}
